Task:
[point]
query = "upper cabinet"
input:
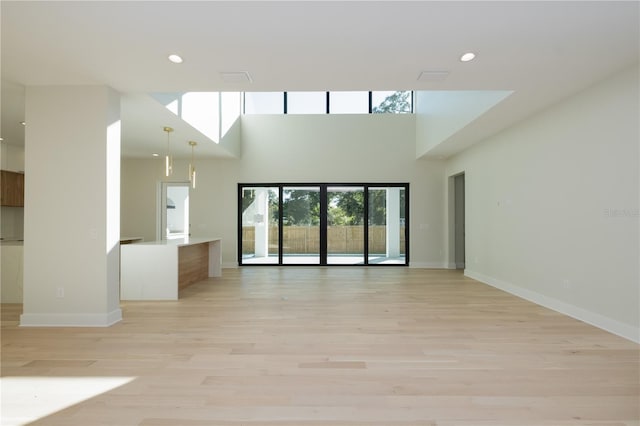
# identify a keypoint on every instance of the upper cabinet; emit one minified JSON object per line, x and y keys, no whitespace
{"x":12,"y":189}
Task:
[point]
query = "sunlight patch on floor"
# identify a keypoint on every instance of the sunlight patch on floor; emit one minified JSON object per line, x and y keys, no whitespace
{"x":26,"y":399}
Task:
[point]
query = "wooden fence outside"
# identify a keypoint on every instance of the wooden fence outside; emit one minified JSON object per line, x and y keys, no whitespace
{"x":306,"y":239}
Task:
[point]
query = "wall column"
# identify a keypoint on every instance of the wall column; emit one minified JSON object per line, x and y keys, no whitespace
{"x":72,"y":206}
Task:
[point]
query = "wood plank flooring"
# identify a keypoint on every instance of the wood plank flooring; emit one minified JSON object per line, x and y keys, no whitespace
{"x":345,"y":346}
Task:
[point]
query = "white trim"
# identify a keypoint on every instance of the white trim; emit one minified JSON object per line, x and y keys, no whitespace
{"x":605,"y":323}
{"x":451,"y":265}
{"x":114,"y":317}
{"x":71,"y":320}
{"x":229,"y":265}
{"x":428,"y":265}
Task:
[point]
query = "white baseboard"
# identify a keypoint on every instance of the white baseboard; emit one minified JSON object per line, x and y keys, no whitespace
{"x":428,"y":265}
{"x":605,"y":323}
{"x":229,"y":265}
{"x":71,"y":320}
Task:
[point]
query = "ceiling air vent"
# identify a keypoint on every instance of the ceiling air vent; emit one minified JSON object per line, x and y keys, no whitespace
{"x":236,"y":77}
{"x":433,"y":75}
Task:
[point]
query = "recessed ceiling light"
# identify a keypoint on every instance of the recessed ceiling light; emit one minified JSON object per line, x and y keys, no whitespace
{"x":469,"y":56}
{"x":176,"y":59}
{"x":155,"y":154}
{"x":1,"y":139}
{"x":23,"y":123}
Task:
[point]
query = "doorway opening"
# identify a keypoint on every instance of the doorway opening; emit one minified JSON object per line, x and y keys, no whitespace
{"x":173,"y":210}
{"x":457,"y":225}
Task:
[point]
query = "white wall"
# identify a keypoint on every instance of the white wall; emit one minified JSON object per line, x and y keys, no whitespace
{"x":214,"y":205}
{"x":138,"y":196}
{"x":301,"y":148}
{"x":440,"y":114}
{"x":552,"y":206}
{"x":11,"y":157}
{"x":350,"y":148}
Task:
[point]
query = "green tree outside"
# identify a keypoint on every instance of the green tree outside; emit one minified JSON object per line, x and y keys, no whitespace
{"x":398,"y":102}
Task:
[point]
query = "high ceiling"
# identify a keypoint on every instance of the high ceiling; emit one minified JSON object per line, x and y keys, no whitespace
{"x":543,"y":51}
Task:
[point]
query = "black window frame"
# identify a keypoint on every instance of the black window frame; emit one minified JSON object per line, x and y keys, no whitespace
{"x":323,"y":220}
{"x":328,"y":100}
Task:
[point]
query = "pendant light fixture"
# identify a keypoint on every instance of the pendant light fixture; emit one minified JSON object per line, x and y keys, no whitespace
{"x":168,"y":159}
{"x":192,"y":166}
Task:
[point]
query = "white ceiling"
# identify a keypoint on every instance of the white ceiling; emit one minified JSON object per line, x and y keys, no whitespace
{"x":542,"y":51}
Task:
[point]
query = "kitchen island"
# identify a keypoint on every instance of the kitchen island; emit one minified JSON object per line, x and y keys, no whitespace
{"x":158,"y":270}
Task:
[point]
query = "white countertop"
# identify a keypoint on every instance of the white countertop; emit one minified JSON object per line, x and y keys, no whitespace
{"x":178,"y":242}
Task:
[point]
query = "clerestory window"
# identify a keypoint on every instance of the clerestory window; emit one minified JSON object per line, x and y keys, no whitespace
{"x":334,"y":102}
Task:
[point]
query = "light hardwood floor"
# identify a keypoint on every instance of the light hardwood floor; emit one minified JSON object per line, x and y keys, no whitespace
{"x":323,"y":346}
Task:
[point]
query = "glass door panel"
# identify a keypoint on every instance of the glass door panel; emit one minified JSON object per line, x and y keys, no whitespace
{"x":387,"y":218}
{"x":345,"y":225}
{"x":377,"y":224}
{"x":301,"y":225}
{"x":260,"y":225}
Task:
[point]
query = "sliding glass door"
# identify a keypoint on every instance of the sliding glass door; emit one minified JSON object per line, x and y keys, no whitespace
{"x":323,"y":224}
